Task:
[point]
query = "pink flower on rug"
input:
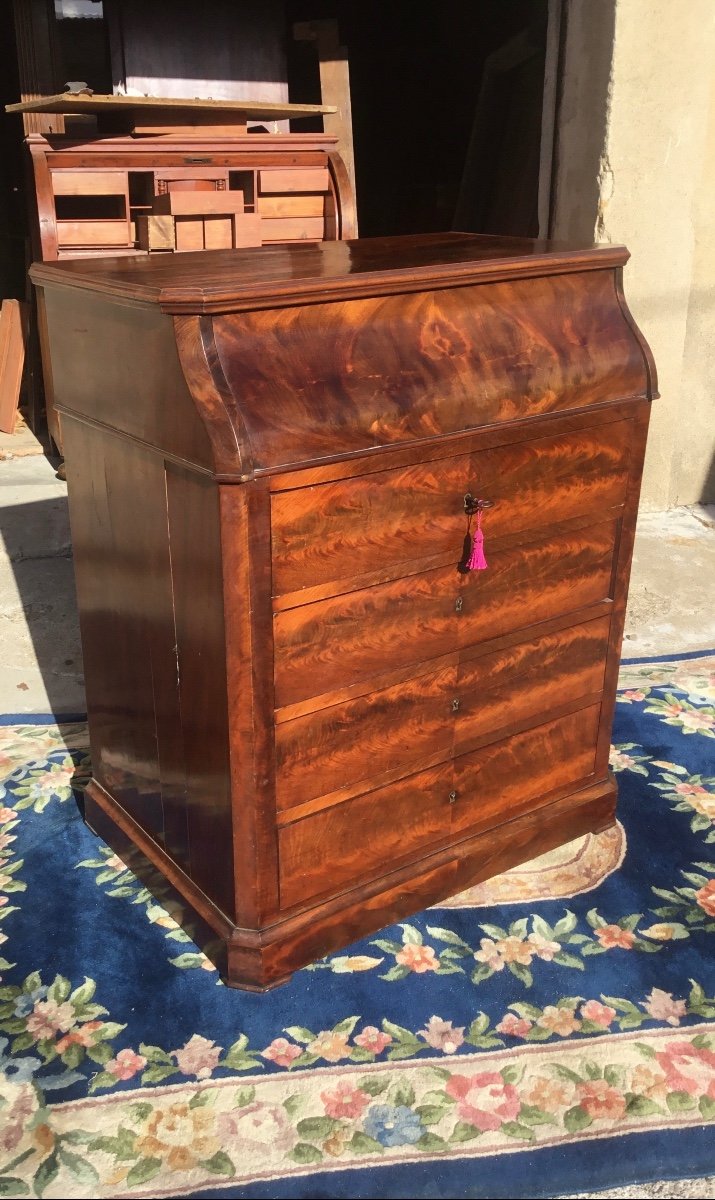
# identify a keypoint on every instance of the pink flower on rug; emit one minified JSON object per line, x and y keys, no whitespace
{"x":696,"y":719}
{"x":198,"y":1057}
{"x":82,"y":1036}
{"x":559,"y":1020}
{"x":661,"y":1006}
{"x":282,"y":1052}
{"x":706,"y":898}
{"x":488,"y":953}
{"x":6,"y":814}
{"x":600,"y":1100}
{"x":542,"y":947}
{"x":442,"y":1035}
{"x":329,"y":1045}
{"x":688,"y":1068}
{"x":345,"y":1101}
{"x":548,"y":1094}
{"x":252,"y":1129}
{"x":633,"y":694}
{"x":646,"y":1082}
{"x":513,"y":1025}
{"x":48,"y":1018}
{"x":372,"y":1039}
{"x":612,"y":935}
{"x":600,"y":1014}
{"x":126,"y":1064}
{"x":484,"y":1099}
{"x":515,"y":950}
{"x":418,"y":958}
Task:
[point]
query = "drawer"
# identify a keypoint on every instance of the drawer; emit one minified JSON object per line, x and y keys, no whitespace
{"x":403,"y":727}
{"x":292,"y":229}
{"x":294,"y":179}
{"x":354,"y":526}
{"x":370,"y":834}
{"x":94,"y":233}
{"x":334,"y":643}
{"x":89,"y":183}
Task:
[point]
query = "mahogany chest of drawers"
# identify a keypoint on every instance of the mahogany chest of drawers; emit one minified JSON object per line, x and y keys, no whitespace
{"x":317,"y":699}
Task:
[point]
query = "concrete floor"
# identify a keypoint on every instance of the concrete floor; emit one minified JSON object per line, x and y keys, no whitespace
{"x":670,"y":610}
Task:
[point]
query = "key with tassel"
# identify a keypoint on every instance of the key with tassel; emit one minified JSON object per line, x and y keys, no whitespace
{"x":476,"y":559}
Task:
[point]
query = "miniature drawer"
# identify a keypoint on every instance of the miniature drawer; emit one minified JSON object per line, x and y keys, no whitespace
{"x":354,"y":526}
{"x":334,"y":643}
{"x":299,"y":179}
{"x":400,"y":728}
{"x":94,"y":233}
{"x":346,"y":843}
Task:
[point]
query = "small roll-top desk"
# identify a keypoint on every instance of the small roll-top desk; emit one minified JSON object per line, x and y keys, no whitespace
{"x":352,"y":525}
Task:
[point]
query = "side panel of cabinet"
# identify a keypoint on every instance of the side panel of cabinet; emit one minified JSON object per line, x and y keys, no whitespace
{"x":148,"y":576}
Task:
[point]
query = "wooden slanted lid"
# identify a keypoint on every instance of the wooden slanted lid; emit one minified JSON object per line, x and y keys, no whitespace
{"x":304,"y":273}
{"x":69,"y":103}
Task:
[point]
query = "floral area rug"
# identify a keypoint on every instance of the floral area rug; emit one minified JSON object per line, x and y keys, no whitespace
{"x":552,"y":1030}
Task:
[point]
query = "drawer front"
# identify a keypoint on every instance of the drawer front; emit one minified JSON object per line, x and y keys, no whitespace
{"x":337,"y":642}
{"x":294,"y":179}
{"x":402,"y":727}
{"x":372,"y":833}
{"x":340,"y":530}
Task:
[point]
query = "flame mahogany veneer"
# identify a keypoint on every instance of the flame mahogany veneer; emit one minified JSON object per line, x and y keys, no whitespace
{"x":301,"y":710}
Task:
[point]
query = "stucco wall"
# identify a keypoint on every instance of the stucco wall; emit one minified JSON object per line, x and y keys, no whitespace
{"x":635,"y":163}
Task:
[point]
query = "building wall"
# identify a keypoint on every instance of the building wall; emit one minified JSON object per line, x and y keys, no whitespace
{"x":635,"y":163}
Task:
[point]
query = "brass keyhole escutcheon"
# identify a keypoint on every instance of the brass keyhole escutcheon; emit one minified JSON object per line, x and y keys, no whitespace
{"x":452,"y":797}
{"x":455,"y":704}
{"x":459,"y":604}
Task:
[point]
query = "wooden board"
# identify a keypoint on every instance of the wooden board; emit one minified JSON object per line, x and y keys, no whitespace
{"x":94,"y":233}
{"x":189,"y":204}
{"x":13,"y":317}
{"x":307,"y":179}
{"x":254,"y":110}
{"x":293,"y":229}
{"x":291,"y":206}
{"x":89,"y":183}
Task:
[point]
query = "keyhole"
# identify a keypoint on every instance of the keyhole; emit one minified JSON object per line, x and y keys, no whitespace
{"x":455,"y":705}
{"x":452,"y":797}
{"x":458,"y":604}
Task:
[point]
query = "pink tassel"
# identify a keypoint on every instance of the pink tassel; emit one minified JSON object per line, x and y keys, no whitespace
{"x":476,"y":560}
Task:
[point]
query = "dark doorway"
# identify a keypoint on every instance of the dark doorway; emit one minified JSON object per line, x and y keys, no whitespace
{"x":447,"y":110}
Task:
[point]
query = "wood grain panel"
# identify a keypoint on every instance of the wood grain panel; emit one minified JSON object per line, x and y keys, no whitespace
{"x":345,"y":743}
{"x":200,"y":675}
{"x":127,"y":625}
{"x":529,"y":679}
{"x":499,"y":782}
{"x":89,"y":183}
{"x":335,"y":642}
{"x":386,"y":370}
{"x":352,"y":840}
{"x":402,"y":727}
{"x":340,"y":530}
{"x":308,"y":179}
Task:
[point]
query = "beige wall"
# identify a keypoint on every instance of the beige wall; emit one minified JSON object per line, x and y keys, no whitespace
{"x":635,"y":163}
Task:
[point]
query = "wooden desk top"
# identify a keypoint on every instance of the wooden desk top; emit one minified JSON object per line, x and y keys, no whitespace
{"x":303,"y":273}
